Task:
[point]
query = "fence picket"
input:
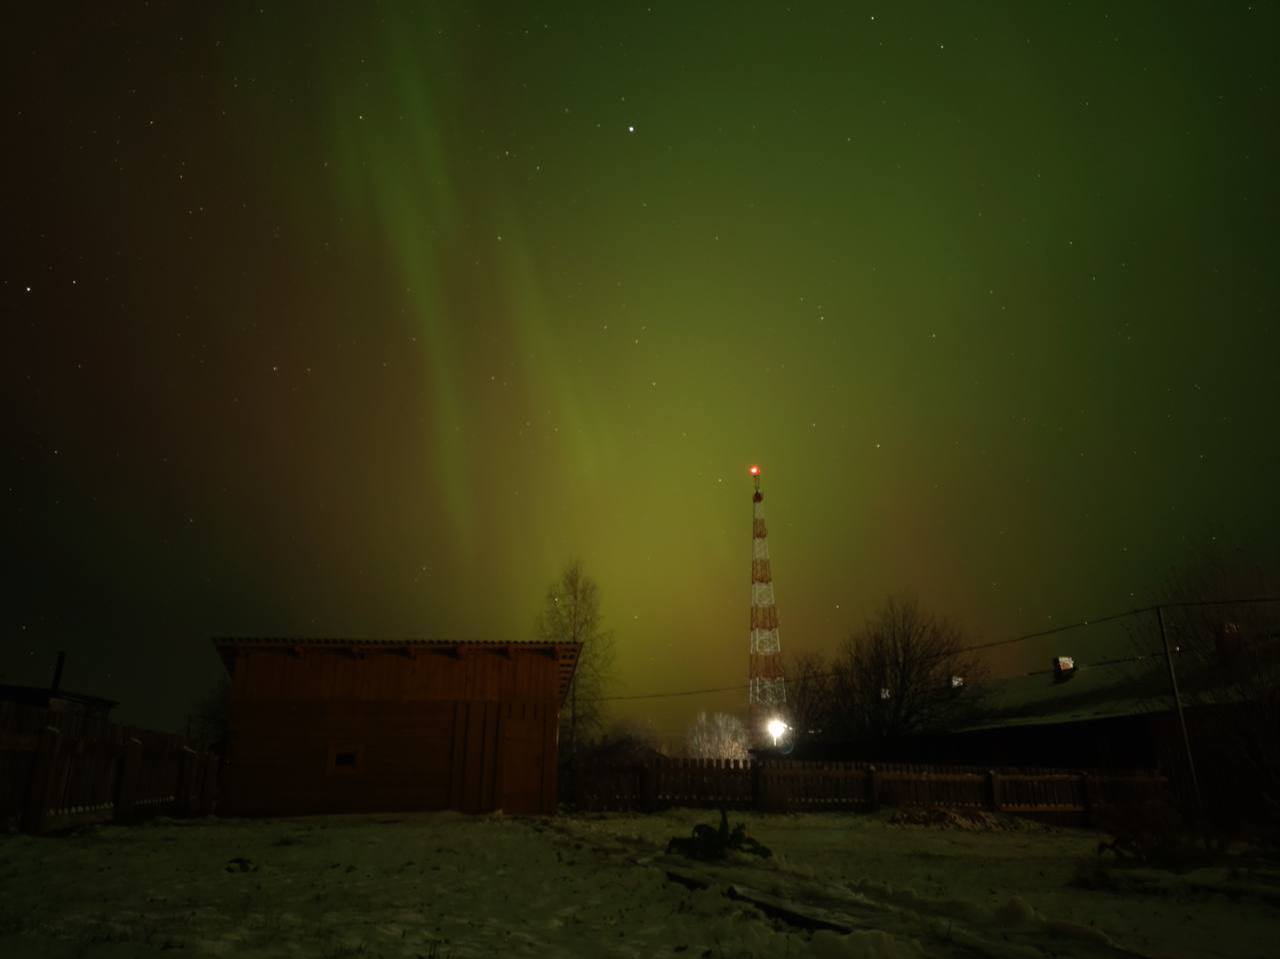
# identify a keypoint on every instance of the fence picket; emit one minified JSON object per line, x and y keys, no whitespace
{"x":60,"y":769}
{"x":788,"y":784}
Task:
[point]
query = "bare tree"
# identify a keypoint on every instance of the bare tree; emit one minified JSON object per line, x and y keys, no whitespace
{"x":571,"y":614}
{"x":904,"y":671}
{"x":209,"y":723}
{"x":717,"y":736}
{"x":810,"y":694}
{"x":627,"y":739}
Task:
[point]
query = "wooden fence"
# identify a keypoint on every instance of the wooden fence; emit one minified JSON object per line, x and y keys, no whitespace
{"x":790,"y":786}
{"x":60,"y":769}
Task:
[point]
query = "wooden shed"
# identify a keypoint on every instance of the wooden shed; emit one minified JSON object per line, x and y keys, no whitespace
{"x":340,"y":725}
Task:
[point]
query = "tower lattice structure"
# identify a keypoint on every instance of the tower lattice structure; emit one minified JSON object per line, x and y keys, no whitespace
{"x":767,"y":690}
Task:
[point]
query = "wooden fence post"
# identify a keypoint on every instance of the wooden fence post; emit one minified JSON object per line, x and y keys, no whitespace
{"x":774,"y":789}
{"x":1085,"y":799}
{"x":209,"y":788}
{"x":993,"y":789}
{"x":648,"y":787}
{"x":130,"y":771}
{"x":780,"y":788}
{"x":873,"y":788}
{"x":183,"y":797}
{"x":43,"y":779}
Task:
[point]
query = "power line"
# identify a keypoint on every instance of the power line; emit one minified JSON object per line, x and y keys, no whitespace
{"x":992,"y":645}
{"x":683,"y":692}
{"x":1056,"y":629}
{"x":1100,"y":663}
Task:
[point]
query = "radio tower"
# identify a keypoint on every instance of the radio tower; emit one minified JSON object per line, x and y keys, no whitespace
{"x":767,"y":691}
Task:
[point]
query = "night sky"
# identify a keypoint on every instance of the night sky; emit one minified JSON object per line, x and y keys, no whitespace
{"x":362,"y":323}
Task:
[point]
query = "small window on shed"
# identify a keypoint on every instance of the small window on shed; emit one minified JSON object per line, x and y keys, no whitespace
{"x":345,"y":759}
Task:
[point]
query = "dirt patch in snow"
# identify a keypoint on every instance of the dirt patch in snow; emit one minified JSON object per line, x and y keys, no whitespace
{"x":973,"y":820}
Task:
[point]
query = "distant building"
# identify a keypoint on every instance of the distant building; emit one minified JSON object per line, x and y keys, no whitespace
{"x":82,"y":707}
{"x":339,"y":725}
{"x":1116,"y":716}
{"x":60,"y":700}
{"x":1108,"y":717}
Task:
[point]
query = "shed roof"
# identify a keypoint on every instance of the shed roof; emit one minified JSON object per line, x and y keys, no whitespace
{"x":565,"y":654}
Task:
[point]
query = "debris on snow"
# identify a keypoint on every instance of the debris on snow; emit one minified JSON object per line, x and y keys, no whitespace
{"x":974,"y":820}
{"x":710,"y":844}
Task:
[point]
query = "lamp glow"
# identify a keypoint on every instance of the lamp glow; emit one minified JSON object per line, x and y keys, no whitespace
{"x":776,"y":727}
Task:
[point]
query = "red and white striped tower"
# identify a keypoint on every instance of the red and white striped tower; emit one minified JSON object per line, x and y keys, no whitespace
{"x":767,"y":691}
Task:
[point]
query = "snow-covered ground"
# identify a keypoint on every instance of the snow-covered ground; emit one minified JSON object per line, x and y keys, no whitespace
{"x":444,"y":885}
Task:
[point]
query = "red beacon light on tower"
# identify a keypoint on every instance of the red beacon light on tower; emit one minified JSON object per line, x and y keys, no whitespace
{"x":753,"y":470}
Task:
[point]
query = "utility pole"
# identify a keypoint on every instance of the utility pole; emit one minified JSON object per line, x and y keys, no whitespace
{"x":1177,"y":702}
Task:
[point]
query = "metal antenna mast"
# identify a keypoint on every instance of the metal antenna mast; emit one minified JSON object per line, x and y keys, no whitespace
{"x":766,"y":691}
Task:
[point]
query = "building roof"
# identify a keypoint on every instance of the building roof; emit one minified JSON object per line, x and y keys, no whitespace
{"x":565,"y":654}
{"x":1093,"y":691}
{"x":43,"y":696}
{"x":1126,"y":687}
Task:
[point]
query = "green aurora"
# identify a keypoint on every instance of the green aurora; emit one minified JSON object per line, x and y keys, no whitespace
{"x":363,"y":323}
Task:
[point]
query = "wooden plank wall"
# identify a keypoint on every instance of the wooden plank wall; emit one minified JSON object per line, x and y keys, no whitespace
{"x":527,"y":760}
{"x":470,"y":756}
{"x":432,"y":730}
{"x":281,"y":757}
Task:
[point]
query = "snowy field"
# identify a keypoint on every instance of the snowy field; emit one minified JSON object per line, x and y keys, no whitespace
{"x":444,"y":885}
